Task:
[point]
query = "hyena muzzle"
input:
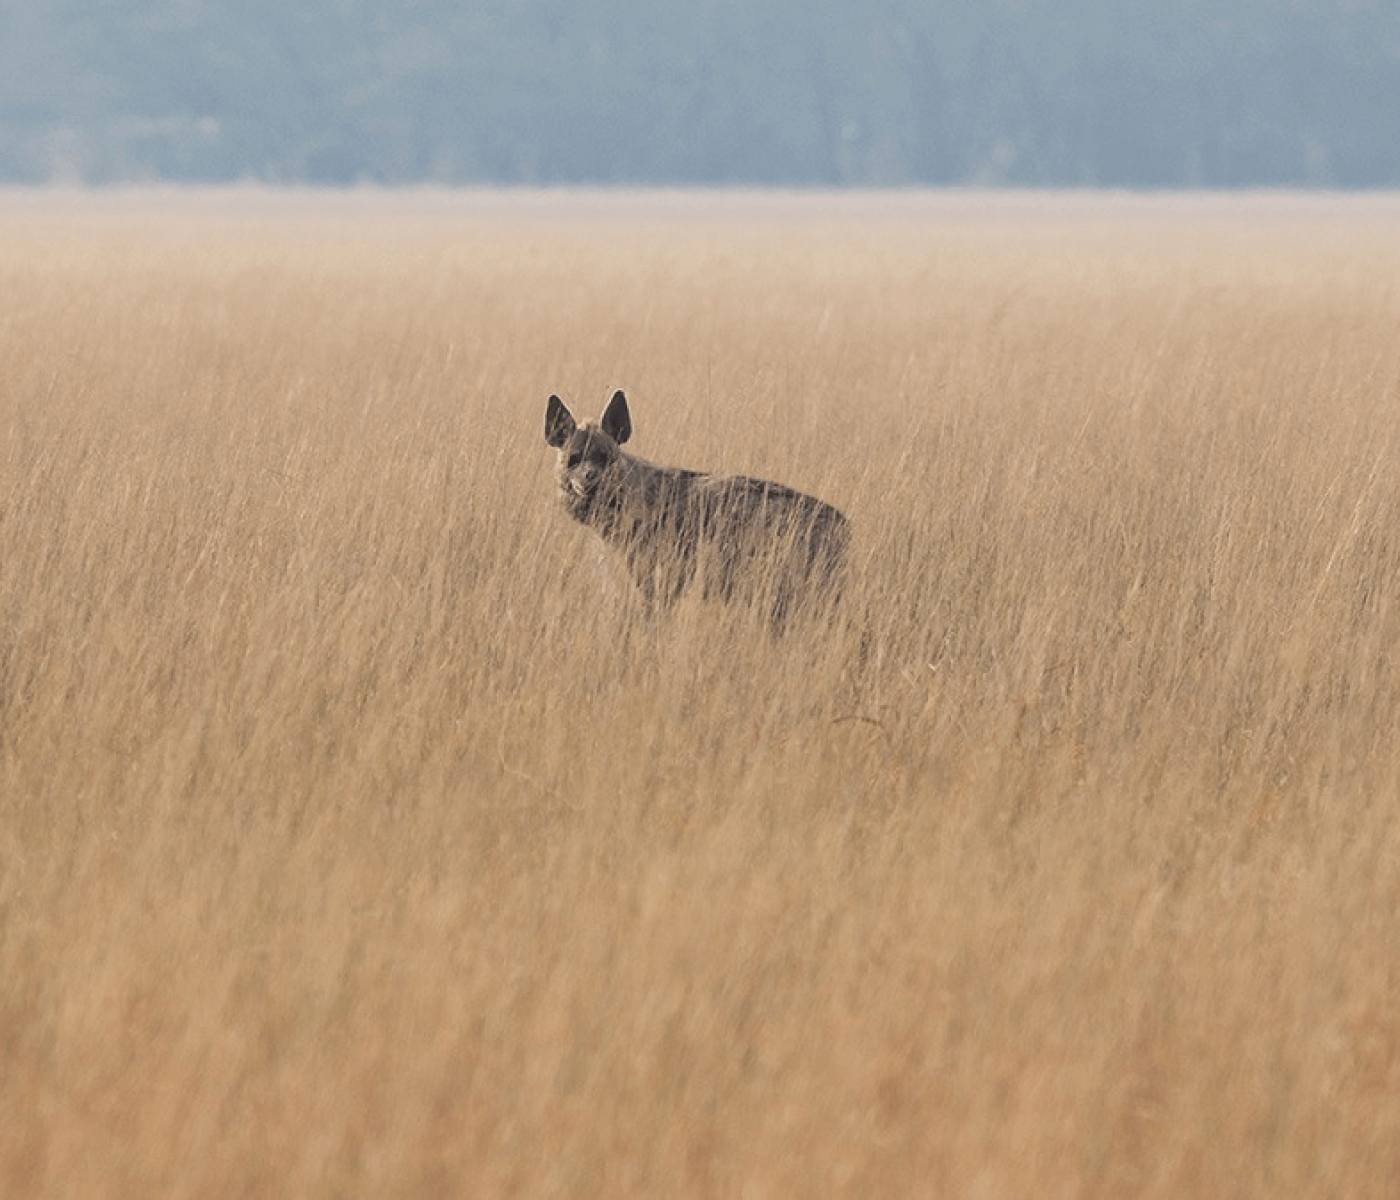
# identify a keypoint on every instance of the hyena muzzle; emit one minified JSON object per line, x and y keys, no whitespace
{"x":729,"y":536}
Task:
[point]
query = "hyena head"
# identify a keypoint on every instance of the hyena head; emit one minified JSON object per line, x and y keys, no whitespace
{"x":589,"y":453}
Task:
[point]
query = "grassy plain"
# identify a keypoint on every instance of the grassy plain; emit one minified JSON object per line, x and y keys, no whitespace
{"x":355,"y":839}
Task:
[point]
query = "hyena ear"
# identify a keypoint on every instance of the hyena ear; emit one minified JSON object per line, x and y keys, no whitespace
{"x":558,"y":423}
{"x":617,"y":421}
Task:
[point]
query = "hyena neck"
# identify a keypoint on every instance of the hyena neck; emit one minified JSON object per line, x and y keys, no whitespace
{"x":635,"y":497}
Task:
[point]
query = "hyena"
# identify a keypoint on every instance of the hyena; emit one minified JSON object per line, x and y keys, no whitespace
{"x":731,"y":537}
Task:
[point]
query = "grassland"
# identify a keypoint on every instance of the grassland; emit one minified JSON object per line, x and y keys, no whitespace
{"x":356,"y":838}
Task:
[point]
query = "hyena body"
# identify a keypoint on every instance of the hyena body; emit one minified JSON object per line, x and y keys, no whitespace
{"x":727,"y":535}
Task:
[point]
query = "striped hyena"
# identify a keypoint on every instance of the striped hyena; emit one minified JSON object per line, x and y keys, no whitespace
{"x":733,"y":537}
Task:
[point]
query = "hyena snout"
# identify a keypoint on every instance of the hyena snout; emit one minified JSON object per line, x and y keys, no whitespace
{"x":584,"y":472}
{"x":585,"y":478}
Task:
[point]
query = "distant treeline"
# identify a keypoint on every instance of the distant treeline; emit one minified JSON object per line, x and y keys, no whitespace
{"x":1124,"y":93}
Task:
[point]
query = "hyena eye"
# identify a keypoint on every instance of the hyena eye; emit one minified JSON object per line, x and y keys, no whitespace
{"x":574,"y":459}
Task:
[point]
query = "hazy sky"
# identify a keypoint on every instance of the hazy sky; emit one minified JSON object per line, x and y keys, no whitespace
{"x":809,"y":92}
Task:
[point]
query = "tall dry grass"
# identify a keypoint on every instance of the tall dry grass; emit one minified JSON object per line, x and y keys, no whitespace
{"x":357,"y":838}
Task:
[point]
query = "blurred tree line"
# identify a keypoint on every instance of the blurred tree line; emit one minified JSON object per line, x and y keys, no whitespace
{"x":1130,"y":93}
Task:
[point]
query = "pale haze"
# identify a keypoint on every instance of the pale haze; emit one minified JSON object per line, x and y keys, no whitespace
{"x":1076,"y":93}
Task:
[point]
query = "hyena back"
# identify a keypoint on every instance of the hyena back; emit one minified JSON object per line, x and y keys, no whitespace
{"x":730,"y":536}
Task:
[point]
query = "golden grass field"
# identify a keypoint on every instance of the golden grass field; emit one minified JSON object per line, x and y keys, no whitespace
{"x":359,"y":837}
